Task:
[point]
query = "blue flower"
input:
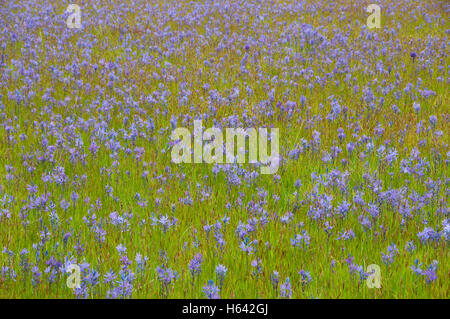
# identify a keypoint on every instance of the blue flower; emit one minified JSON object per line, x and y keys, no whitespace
{"x":195,"y":265}
{"x":121,"y":249}
{"x":285,"y":289}
{"x":211,"y":291}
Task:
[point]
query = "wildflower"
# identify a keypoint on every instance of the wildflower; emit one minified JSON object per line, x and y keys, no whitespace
{"x":92,"y":278}
{"x":416,"y":268}
{"x":141,"y":262}
{"x":195,"y":265}
{"x":430,"y":276}
{"x":445,"y":233}
{"x":301,"y":240}
{"x":275,"y":279}
{"x":285,"y":289}
{"x":246,"y":246}
{"x":410,"y":247}
{"x":256,"y":263}
{"x":429,"y":273}
{"x":123,"y":289}
{"x":166,"y":276}
{"x":356,"y":269}
{"x":211,"y":291}
{"x":121,"y":249}
{"x":391,"y":253}
{"x":433,"y":120}
{"x":109,"y":277}
{"x":221,"y":271}
{"x":428,"y":235}
{"x":66,"y":237}
{"x":24,"y":262}
{"x":346,"y":235}
{"x":36,"y":275}
{"x":303,"y":100}
{"x":305,"y":277}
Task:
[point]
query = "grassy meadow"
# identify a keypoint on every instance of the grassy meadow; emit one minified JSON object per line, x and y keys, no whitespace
{"x":87,"y":178}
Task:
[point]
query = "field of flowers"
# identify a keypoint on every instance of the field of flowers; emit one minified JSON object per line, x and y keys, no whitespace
{"x":86,"y":176}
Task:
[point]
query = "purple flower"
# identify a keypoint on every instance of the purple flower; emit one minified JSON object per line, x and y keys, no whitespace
{"x":305,"y":277}
{"x":301,"y":240}
{"x":92,"y":278}
{"x":416,"y":268}
{"x":433,"y":120}
{"x":285,"y":289}
{"x":123,"y":289}
{"x":221,"y":271}
{"x":428,"y":235}
{"x":211,"y":291}
{"x":445,"y":233}
{"x":275,"y":279}
{"x":429,"y":273}
{"x":391,"y":253}
{"x":36,"y":275}
{"x":141,"y":262}
{"x":166,"y":275}
{"x":410,"y":247}
{"x":303,"y":100}
{"x":195,"y":265}
{"x":64,"y":204}
{"x":256,"y":263}
{"x":109,"y":277}
{"x":430,"y":276}
{"x":121,"y":249}
{"x":66,"y":237}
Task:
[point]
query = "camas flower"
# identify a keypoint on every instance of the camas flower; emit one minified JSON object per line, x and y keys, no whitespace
{"x":305,"y":277}
{"x":166,"y":275}
{"x":195,"y":265}
{"x":301,"y":240}
{"x":285,"y":289}
{"x":211,"y":291}
{"x":428,"y":235}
